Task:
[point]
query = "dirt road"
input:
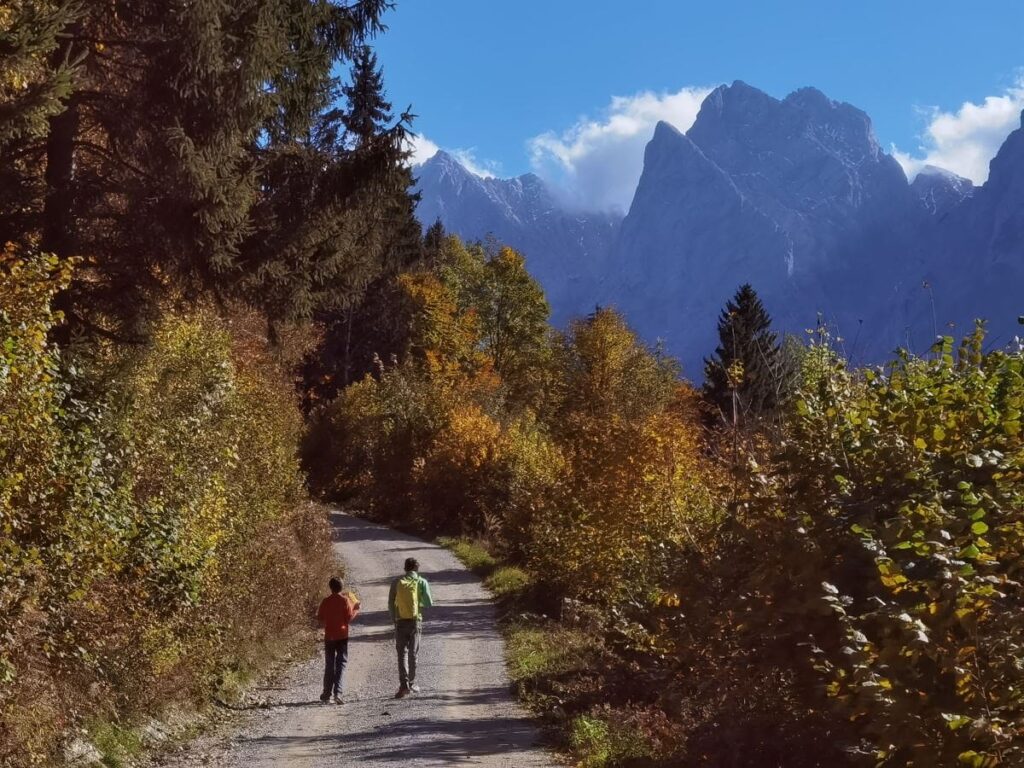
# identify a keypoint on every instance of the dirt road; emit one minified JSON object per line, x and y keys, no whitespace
{"x":463,"y":716}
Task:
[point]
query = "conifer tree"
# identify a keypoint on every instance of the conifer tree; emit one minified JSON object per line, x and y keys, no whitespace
{"x":743,"y":377}
{"x":32,"y":81}
{"x":368,"y":327}
{"x":433,"y":240}
{"x":197,"y":153}
{"x":35,"y":77}
{"x":368,"y":111}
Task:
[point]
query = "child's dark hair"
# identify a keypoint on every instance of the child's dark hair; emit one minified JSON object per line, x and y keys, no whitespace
{"x":334,"y":584}
{"x":411,"y":564}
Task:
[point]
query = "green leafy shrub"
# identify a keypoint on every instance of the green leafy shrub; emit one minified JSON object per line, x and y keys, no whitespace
{"x":154,"y":528}
{"x":590,"y":740}
{"x":608,"y":738}
{"x":872,"y":570}
{"x":910,"y":488}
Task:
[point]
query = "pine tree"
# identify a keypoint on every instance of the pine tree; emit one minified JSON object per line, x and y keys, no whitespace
{"x":35,"y":78}
{"x":368,"y":111}
{"x":743,"y":377}
{"x":197,"y":154}
{"x":33,"y":82}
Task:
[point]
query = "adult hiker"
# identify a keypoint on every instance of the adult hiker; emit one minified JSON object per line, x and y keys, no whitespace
{"x":334,"y":614}
{"x":409,"y":595}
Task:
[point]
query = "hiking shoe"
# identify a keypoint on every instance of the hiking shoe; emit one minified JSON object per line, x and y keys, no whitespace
{"x":338,"y":699}
{"x":413,"y":688}
{"x":402,"y":692}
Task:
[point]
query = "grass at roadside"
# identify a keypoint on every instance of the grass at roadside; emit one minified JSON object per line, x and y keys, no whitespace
{"x":472,"y":553}
{"x":119,"y":745}
{"x":540,"y":652}
{"x":561,"y":670}
{"x":505,"y":582}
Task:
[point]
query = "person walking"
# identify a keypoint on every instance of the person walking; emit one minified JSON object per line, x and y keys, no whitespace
{"x":410,"y":594}
{"x":335,"y":613}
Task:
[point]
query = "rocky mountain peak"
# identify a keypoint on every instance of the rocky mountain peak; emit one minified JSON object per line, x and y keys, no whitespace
{"x":940,"y":190}
{"x":793,"y":195}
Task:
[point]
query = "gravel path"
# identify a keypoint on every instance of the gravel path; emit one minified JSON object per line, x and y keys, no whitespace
{"x":464,"y":715}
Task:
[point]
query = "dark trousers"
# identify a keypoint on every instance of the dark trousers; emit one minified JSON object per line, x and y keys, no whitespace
{"x":335,"y":659}
{"x":407,"y":642}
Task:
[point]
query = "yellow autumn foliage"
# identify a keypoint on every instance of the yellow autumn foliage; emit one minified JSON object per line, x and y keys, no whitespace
{"x":153,"y":526}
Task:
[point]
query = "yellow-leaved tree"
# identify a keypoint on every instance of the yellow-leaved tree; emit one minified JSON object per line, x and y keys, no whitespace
{"x":635,"y":489}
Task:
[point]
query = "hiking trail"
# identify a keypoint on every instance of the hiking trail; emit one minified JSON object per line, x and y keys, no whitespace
{"x":464,"y":715}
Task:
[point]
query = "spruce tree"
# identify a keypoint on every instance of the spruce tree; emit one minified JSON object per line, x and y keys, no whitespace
{"x":433,"y":241}
{"x":357,"y":331}
{"x":35,"y":79}
{"x":743,"y":377}
{"x":368,"y":111}
{"x":196,"y":154}
{"x":33,"y":82}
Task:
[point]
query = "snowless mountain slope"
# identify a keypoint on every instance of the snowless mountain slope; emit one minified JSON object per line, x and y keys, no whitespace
{"x":563,"y":249}
{"x":794,"y":196}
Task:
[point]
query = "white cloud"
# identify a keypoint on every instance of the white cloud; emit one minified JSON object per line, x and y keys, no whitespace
{"x":966,"y":140}
{"x":423,"y":149}
{"x":597,"y":163}
{"x":483,"y":168}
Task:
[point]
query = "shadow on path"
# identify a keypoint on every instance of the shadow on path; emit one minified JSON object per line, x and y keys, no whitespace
{"x":420,"y":739}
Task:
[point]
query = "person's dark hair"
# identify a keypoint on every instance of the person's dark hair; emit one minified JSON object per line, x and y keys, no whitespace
{"x":334,"y":584}
{"x":411,"y":564}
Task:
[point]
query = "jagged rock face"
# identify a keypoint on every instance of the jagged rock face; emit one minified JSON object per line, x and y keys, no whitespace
{"x":689,"y":233}
{"x":977,"y":250}
{"x":940,"y":191}
{"x":811,"y":164}
{"x":564,"y":250}
{"x":999,"y":207}
{"x":794,"y":196}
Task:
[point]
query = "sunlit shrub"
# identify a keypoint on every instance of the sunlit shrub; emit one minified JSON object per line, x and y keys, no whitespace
{"x":153,"y":523}
{"x":910,"y":488}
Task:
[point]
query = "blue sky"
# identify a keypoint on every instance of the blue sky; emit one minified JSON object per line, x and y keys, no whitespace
{"x":518,"y":85}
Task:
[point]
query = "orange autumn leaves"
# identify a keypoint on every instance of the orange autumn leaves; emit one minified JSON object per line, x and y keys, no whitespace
{"x":576,"y":453}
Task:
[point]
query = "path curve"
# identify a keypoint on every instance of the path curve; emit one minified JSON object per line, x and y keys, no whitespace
{"x":465,"y":714}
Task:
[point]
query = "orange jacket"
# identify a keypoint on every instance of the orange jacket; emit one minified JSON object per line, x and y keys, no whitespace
{"x":334,"y":614}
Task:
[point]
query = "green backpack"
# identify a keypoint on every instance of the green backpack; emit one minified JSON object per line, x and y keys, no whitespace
{"x":407,"y":597}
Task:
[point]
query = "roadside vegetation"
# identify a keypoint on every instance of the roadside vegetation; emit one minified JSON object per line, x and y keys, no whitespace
{"x":157,"y":536}
{"x":799,"y":564}
{"x":214,"y":296}
{"x":159,"y":303}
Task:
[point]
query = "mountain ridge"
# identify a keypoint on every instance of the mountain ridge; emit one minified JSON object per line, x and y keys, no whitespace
{"x":794,"y":195}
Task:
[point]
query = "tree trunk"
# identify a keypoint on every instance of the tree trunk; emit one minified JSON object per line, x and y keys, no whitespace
{"x":347,"y":366}
{"x":58,"y":217}
{"x":58,"y":236}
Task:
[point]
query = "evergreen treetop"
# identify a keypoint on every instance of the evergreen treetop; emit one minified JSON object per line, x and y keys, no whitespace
{"x":368,"y":111}
{"x":194,"y":153}
{"x":742,"y":378}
